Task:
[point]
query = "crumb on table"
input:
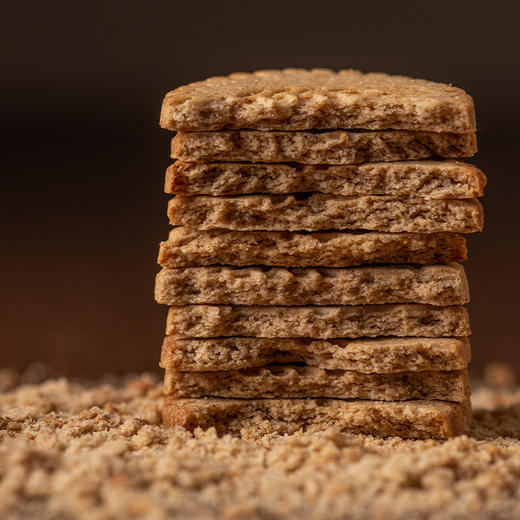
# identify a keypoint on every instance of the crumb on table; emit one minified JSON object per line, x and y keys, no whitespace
{"x":70,"y":450}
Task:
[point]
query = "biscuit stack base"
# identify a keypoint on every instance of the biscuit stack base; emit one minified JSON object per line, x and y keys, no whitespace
{"x":314,"y":277}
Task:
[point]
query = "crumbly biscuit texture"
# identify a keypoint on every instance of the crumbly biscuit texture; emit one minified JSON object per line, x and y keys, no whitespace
{"x":354,"y":321}
{"x":444,"y":284}
{"x":407,"y":419}
{"x":334,"y":147}
{"x":427,"y":179}
{"x":379,"y":355}
{"x":298,"y":99}
{"x":282,"y":381}
{"x":188,"y":247}
{"x":99,"y":450}
{"x":318,"y":211}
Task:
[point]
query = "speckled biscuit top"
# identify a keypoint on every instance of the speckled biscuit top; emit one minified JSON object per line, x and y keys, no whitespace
{"x":298,"y":99}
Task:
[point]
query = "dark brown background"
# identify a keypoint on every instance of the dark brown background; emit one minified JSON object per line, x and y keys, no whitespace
{"x":84,"y":156}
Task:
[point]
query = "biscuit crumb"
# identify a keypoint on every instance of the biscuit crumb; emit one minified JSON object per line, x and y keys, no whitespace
{"x":70,"y":450}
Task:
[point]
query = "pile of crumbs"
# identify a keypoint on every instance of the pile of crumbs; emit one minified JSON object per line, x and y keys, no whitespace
{"x":98,"y":451}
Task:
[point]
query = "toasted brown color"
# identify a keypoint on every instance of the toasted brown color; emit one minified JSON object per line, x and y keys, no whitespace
{"x":433,"y":284}
{"x":407,"y":419}
{"x":334,"y":147}
{"x":319,"y":211}
{"x":289,"y":381}
{"x":298,"y":99}
{"x":354,"y":321}
{"x":380,"y":355}
{"x":426,"y":179}
{"x":189,"y":247}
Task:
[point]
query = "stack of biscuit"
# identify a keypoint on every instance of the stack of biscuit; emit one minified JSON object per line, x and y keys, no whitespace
{"x":314,"y":274}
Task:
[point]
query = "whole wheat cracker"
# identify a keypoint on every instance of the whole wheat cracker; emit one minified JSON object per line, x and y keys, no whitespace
{"x":318,"y":211}
{"x":441,"y":284}
{"x":190,"y":247}
{"x":298,"y":99}
{"x":446,"y":179}
{"x":290,"y":381}
{"x":351,"y":321}
{"x":379,"y":355}
{"x":331,"y":147}
{"x":406,"y":419}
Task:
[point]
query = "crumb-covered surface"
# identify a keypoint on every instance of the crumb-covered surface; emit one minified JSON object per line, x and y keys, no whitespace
{"x":78,"y":451}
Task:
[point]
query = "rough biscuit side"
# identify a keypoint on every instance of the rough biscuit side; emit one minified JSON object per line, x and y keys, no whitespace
{"x":442,"y":284}
{"x":318,"y":211}
{"x":257,"y":417}
{"x":288,"y":381}
{"x":299,"y":99}
{"x":333,"y":147}
{"x":446,"y":179}
{"x":351,"y":321}
{"x":379,"y":355}
{"x":188,"y":247}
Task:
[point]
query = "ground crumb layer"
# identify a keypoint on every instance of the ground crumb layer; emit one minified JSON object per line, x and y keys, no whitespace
{"x":188,"y":247}
{"x":426,"y":179}
{"x":298,"y":99}
{"x":434,"y":285}
{"x":335,"y":147}
{"x":100,"y":451}
{"x":319,"y":211}
{"x":380,"y":355}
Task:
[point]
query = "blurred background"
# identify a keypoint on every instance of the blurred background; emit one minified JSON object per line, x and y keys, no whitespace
{"x":84,"y":157}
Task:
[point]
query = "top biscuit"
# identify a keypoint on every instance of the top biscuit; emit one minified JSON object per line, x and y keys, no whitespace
{"x":298,"y":99}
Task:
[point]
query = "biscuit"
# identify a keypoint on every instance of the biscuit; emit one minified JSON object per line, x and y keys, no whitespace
{"x":298,"y":99}
{"x":444,"y":284}
{"x":334,"y":147}
{"x":258,"y":417}
{"x":380,"y":355}
{"x":189,"y":248}
{"x":287,"y":381}
{"x":318,"y":211}
{"x":351,"y":321}
{"x":427,"y":179}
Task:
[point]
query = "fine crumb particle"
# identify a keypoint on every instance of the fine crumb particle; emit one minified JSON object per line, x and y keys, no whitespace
{"x":70,"y":450}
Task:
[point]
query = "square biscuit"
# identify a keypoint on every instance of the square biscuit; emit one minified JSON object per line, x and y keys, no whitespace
{"x":327,"y":147}
{"x":441,"y":284}
{"x":298,"y":99}
{"x":188,"y":247}
{"x":378,"y":355}
{"x":320,"y":211}
{"x":323,"y":322}
{"x":255,"y":418}
{"x":289,"y":381}
{"x":427,"y":179}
